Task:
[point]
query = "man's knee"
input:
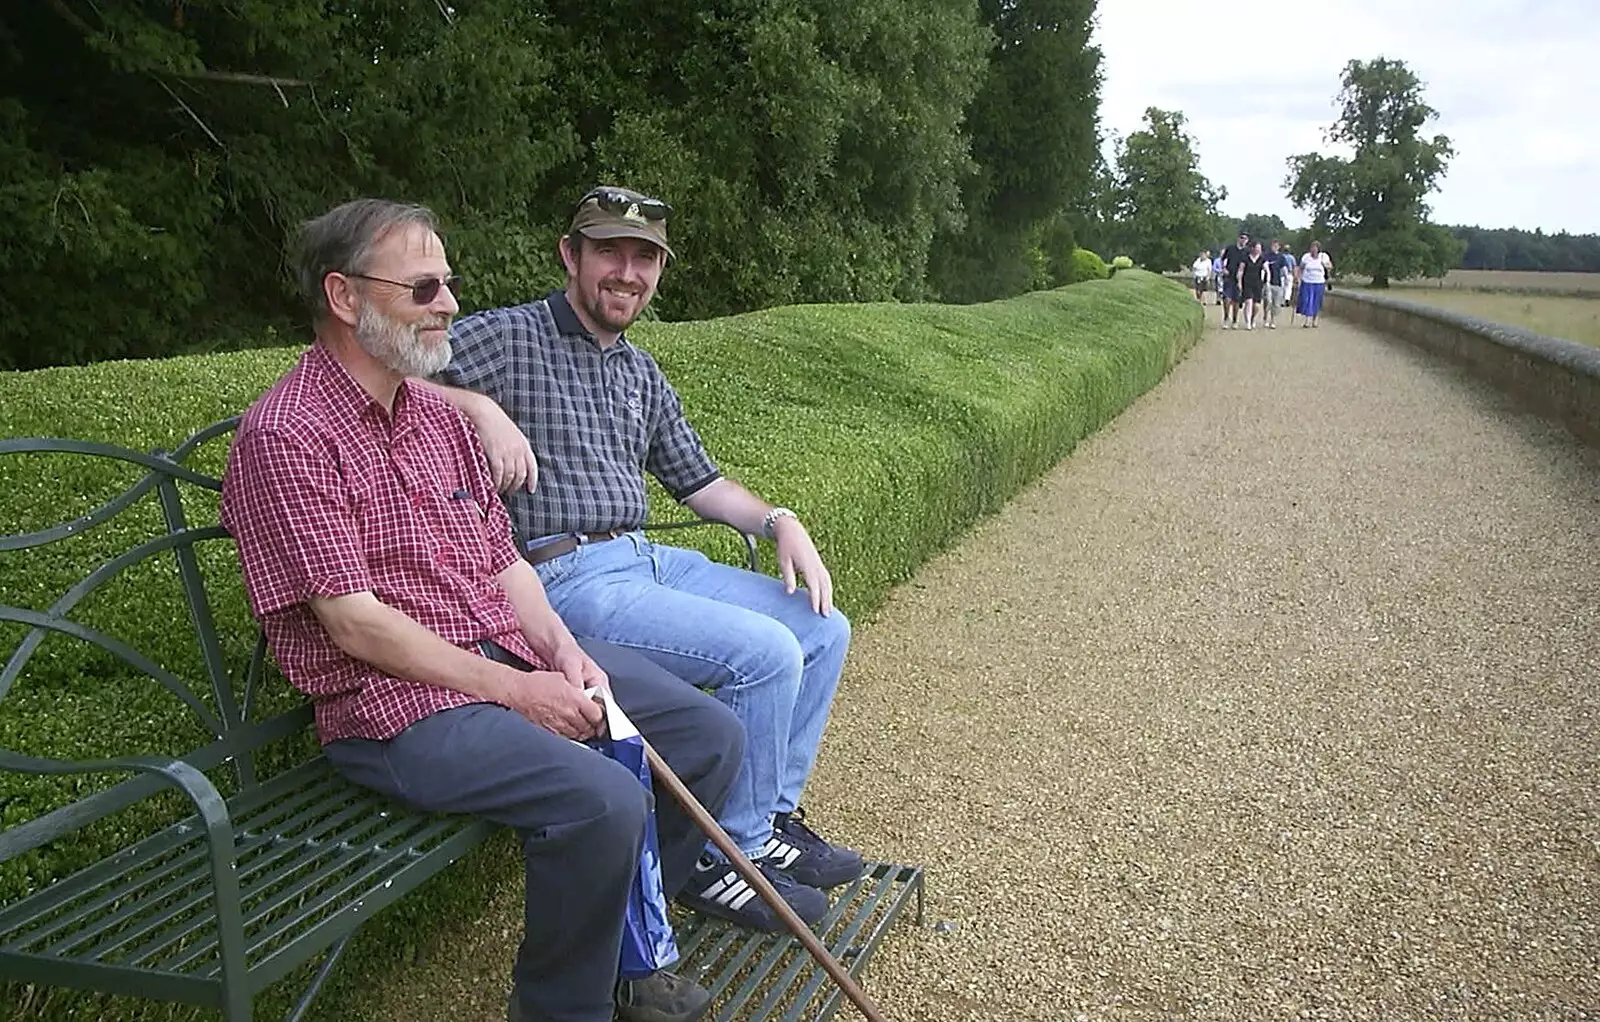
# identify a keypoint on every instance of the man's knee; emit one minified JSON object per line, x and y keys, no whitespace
{"x":763,"y":652}
{"x":833,"y":631}
{"x":605,"y":806}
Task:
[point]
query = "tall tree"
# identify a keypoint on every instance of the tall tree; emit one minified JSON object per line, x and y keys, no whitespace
{"x":1034,"y":143}
{"x":1372,"y":207}
{"x":1262,"y":227}
{"x":1164,"y":208}
{"x":153,"y":154}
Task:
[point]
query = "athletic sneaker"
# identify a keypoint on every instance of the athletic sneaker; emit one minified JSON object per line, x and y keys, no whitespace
{"x":808,"y":857}
{"x":717,"y":889}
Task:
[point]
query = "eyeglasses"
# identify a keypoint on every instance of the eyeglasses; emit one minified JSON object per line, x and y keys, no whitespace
{"x":621,"y":203}
{"x":423,"y":291}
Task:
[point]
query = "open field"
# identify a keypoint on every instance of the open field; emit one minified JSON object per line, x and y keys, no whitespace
{"x":1568,"y":316}
{"x":1509,"y":280}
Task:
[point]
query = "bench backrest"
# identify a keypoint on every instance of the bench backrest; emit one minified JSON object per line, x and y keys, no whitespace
{"x":217,"y":697}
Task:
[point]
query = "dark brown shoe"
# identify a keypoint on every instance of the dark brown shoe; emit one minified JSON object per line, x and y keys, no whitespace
{"x":662,"y":996}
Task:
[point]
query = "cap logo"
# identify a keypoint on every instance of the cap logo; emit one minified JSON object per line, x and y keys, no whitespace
{"x":633,"y":213}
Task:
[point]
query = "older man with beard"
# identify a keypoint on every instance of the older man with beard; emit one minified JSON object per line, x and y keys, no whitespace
{"x":556,"y":382}
{"x":381,"y":565}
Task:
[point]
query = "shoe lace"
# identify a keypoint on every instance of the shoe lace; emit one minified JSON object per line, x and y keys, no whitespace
{"x":793,"y":825}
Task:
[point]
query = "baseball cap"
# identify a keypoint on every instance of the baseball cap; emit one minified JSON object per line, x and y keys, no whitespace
{"x":611,"y":212}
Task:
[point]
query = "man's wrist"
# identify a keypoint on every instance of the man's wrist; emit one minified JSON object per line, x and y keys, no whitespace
{"x":769,"y":521}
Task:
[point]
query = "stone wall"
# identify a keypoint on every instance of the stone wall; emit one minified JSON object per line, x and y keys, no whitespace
{"x":1557,"y":379}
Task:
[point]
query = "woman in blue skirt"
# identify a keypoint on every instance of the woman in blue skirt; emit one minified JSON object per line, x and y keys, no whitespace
{"x":1312,"y":278}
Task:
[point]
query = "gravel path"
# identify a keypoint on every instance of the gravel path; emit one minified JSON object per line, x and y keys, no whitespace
{"x":1277,"y":700}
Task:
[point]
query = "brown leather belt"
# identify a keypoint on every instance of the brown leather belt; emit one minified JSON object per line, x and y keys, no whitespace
{"x":566,"y":544}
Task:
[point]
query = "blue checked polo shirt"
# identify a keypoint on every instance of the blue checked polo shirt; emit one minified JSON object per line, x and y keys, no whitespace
{"x":597,"y":419}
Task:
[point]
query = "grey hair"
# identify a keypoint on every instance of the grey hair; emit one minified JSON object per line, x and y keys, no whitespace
{"x":342,"y":239}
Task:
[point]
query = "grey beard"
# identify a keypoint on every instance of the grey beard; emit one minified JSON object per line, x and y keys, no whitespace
{"x":398,"y":346}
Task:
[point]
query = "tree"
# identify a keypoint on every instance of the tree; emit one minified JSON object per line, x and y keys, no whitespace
{"x":1372,"y":207}
{"x":154,"y":155}
{"x":1034,"y":145}
{"x":1163,"y":207}
{"x":1262,"y":227}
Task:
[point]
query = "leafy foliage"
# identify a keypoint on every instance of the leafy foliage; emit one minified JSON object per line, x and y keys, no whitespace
{"x":1513,"y":249}
{"x":1163,"y":207}
{"x":1087,"y":266}
{"x":1034,"y":148}
{"x":1372,"y":207}
{"x":153,"y":155}
{"x":880,"y":419}
{"x":1262,"y":227}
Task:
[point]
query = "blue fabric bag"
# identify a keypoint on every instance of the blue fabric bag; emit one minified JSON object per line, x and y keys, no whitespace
{"x":647,"y":940}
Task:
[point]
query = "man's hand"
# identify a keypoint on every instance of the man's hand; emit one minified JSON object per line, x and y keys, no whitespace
{"x":797,"y":554}
{"x":579,"y":669}
{"x":549,"y":700}
{"x":511,"y":460}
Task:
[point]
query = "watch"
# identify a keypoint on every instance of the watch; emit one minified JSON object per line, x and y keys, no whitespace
{"x":771,"y":518}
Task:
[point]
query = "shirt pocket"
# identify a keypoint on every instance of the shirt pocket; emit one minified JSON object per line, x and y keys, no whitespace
{"x":457,"y":530}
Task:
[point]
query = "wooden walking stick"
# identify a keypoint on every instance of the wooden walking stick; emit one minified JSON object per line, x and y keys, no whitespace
{"x":797,"y":926}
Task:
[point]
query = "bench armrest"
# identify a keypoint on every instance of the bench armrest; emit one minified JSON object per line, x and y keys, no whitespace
{"x":185,"y":777}
{"x":196,"y":786}
{"x":752,"y":559}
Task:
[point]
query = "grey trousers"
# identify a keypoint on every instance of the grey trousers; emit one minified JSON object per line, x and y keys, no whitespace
{"x":580,"y":815}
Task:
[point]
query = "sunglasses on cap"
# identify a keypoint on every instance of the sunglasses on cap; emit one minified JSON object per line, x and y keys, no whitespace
{"x":423,"y":291}
{"x":622,"y":204}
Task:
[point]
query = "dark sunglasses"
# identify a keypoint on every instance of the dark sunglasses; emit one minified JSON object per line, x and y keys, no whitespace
{"x":424,"y":291}
{"x":620,"y":203}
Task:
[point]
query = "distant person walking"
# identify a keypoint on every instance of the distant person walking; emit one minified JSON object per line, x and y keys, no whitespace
{"x":1201,"y":271}
{"x":1289,"y":265}
{"x":1233,"y":258}
{"x":1277,"y":276}
{"x":1217,"y":271}
{"x":1312,"y":278}
{"x":1253,"y":276}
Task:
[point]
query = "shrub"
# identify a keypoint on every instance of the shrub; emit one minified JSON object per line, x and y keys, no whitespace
{"x":1085,"y":265}
{"x":891,"y":427}
{"x":1122,"y":262}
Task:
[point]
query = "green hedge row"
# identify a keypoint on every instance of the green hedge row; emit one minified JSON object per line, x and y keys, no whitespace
{"x":891,"y":428}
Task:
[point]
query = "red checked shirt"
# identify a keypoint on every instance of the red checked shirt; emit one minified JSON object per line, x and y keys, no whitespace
{"x":326,"y":494}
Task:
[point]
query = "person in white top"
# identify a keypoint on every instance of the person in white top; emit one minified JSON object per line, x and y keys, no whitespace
{"x":1201,"y":271}
{"x":1312,"y":276}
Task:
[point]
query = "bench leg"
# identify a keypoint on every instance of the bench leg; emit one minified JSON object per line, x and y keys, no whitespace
{"x":320,"y":978}
{"x":236,"y":1006}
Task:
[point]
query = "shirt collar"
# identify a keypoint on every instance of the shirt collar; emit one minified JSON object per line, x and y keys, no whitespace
{"x":569,"y":325}
{"x":346,"y":398}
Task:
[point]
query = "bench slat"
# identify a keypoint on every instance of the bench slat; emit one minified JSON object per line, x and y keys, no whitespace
{"x":719,"y":956}
{"x":132,"y":868}
{"x":854,"y":908}
{"x":304,"y":874}
{"x":196,"y":908}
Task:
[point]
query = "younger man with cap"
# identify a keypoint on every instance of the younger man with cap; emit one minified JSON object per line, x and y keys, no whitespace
{"x":557,"y":378}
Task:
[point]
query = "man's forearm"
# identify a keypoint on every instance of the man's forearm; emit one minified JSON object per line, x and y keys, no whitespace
{"x":726,"y":501}
{"x":541,"y":625}
{"x":368,"y":629}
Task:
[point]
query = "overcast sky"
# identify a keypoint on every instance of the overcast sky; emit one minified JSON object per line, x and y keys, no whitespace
{"x":1516,"y":84}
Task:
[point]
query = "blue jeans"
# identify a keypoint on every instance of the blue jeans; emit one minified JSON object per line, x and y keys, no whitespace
{"x":763,"y":652}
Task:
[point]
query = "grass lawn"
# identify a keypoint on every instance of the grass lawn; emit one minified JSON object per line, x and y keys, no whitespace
{"x":1568,"y":316}
{"x":1576,"y":284}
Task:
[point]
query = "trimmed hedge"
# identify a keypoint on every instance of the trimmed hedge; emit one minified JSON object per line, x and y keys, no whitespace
{"x":890,"y":427}
{"x":1086,"y":265}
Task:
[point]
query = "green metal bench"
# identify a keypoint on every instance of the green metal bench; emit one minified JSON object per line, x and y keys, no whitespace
{"x":269,"y":862}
